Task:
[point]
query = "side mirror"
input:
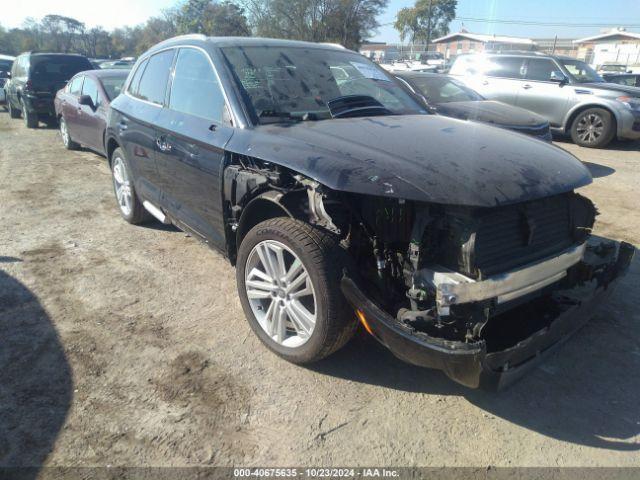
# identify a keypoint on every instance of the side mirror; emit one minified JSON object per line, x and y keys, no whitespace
{"x":557,"y":76}
{"x":86,"y":100}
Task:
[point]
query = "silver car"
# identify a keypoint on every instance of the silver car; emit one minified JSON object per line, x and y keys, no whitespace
{"x":566,"y":91}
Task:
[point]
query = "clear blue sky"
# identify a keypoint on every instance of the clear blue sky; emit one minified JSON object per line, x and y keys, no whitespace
{"x":613,"y":12}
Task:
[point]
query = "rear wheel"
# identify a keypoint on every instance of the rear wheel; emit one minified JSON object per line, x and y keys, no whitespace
{"x":30,"y":118}
{"x":13,"y":113}
{"x":288,"y":275}
{"x":593,"y":128}
{"x":66,"y":138}
{"x":129,"y":204}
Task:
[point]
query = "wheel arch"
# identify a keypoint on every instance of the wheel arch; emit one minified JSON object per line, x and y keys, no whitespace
{"x":581,"y":108}
{"x":110,"y":146}
{"x":265,"y":206}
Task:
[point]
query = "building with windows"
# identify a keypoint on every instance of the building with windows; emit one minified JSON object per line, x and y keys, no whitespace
{"x":614,"y":47}
{"x":465,"y":42}
{"x":380,"y":52}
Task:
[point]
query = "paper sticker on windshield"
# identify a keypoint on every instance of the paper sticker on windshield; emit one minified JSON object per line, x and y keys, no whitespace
{"x":369,"y":71}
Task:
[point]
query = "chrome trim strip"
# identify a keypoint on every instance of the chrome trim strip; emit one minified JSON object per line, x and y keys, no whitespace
{"x":454,"y":288}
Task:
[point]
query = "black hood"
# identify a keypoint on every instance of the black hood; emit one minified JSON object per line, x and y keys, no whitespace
{"x":418,"y":157}
{"x":616,"y":87}
{"x":486,"y":111}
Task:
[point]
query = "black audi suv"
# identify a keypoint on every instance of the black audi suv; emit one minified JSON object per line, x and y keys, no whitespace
{"x":340,"y":200}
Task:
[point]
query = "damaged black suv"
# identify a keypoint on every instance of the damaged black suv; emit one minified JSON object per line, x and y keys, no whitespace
{"x":459,"y":246}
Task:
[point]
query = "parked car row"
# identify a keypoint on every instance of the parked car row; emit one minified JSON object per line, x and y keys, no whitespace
{"x":341,"y":198}
{"x":567,"y":92}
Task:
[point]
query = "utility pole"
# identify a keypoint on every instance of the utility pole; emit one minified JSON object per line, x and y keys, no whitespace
{"x":555,"y":40}
{"x":429,"y":26}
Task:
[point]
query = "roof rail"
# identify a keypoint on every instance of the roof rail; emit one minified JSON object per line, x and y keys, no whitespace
{"x":189,"y":36}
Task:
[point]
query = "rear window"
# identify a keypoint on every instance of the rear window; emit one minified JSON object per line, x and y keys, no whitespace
{"x":5,"y":66}
{"x":153,"y":83}
{"x":57,"y":67}
{"x":112,"y":86}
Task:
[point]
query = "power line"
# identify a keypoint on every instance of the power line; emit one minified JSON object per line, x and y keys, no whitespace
{"x":547,"y":24}
{"x":543,"y":24}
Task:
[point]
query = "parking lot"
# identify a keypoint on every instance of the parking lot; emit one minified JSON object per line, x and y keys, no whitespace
{"x":127,"y":345}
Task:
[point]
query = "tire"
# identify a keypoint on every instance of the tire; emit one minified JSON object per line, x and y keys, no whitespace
{"x":66,"y":137}
{"x":322,"y":260}
{"x":13,"y":113}
{"x":593,"y":128}
{"x":133,"y":212}
{"x":30,"y":118}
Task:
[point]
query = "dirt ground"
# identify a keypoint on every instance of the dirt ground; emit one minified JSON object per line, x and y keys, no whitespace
{"x":124,"y":345}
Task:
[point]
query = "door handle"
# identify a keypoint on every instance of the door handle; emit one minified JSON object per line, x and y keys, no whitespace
{"x":163,"y":145}
{"x":485,"y":82}
{"x":527,"y":86}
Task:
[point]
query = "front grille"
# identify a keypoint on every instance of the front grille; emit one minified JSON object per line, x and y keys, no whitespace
{"x":516,"y":235}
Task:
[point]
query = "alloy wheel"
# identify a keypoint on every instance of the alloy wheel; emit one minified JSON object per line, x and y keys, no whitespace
{"x":280,"y":293}
{"x":122,"y":186}
{"x":590,"y":128}
{"x":64,"y":132}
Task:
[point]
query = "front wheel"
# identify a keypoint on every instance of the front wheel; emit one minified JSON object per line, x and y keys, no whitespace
{"x":288,"y":275}
{"x":66,"y":137}
{"x":593,"y":128}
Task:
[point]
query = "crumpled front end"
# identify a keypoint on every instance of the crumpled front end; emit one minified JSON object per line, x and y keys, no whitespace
{"x":523,"y":325}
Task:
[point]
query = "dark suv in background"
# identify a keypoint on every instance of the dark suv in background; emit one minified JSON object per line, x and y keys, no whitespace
{"x":35,"y":79}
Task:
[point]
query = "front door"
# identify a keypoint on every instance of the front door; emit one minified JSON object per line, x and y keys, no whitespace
{"x":539,"y":94}
{"x":90,"y":124}
{"x":192,"y":134}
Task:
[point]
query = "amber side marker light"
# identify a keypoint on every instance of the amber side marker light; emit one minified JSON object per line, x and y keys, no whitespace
{"x":363,"y":321}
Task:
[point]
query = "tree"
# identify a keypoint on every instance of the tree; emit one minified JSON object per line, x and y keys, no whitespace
{"x":212,"y":18}
{"x":348,"y":22}
{"x":61,"y":31}
{"x":427,"y":19}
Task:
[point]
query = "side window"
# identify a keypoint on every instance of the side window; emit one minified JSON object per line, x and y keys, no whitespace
{"x":195,"y":89}
{"x":135,"y":81}
{"x":153,"y":83}
{"x":540,"y":69}
{"x":76,"y":85}
{"x":90,"y":88}
{"x":505,"y":67}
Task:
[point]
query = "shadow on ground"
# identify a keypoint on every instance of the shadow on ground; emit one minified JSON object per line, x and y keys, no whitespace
{"x":35,"y":379}
{"x":599,"y":171}
{"x":586,"y":393}
{"x":619,"y":145}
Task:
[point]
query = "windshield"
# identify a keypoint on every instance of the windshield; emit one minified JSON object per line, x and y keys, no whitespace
{"x":580,"y":71}
{"x":283,"y":83}
{"x":57,"y":67}
{"x":112,"y":86}
{"x":443,"y":90}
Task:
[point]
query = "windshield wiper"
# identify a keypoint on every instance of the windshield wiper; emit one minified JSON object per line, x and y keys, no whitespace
{"x":356,"y":105}
{"x":275,"y":116}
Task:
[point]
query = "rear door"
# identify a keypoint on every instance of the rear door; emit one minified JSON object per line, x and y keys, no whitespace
{"x":192,"y":134}
{"x":542,"y":96}
{"x":137,"y":117}
{"x":495,"y":77}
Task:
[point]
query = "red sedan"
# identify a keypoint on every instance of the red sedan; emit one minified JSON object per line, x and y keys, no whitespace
{"x":82,"y":106}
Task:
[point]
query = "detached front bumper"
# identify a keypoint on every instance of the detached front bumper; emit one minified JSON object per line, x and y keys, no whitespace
{"x":469,"y":363}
